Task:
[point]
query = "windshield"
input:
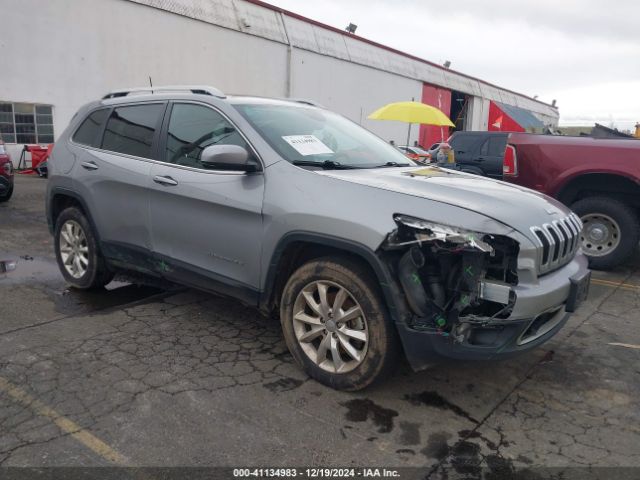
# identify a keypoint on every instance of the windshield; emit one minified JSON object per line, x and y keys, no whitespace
{"x":311,"y":136}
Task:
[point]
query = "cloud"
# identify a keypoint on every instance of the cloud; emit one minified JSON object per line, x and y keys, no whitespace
{"x":571,"y":51}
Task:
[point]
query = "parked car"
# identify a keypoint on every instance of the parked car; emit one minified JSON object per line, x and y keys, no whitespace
{"x":6,"y":174}
{"x":598,"y":178}
{"x":480,"y":153}
{"x":433,"y":149}
{"x":416,"y":154}
{"x":294,"y":209}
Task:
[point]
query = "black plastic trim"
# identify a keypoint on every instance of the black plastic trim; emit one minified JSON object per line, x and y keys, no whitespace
{"x":380,"y":269}
{"x":73,"y":194}
{"x":131,"y":257}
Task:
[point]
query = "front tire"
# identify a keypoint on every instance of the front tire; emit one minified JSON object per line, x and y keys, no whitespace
{"x":611,"y":231}
{"x":336,"y":325}
{"x":77,"y":252}
{"x":7,"y":195}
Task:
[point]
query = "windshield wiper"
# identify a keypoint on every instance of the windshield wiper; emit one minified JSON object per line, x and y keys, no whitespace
{"x":326,"y":165}
{"x":393,"y":164}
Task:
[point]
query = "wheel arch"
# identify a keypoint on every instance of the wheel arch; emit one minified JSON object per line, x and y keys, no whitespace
{"x":614,"y":185}
{"x":297,"y":248}
{"x":62,"y":198}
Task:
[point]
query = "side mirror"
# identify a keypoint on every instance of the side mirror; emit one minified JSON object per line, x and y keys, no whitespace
{"x":227,"y":157}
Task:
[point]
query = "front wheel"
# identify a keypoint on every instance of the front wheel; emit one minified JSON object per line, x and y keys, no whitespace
{"x":7,"y":195}
{"x":336,"y":326}
{"x":77,"y":253}
{"x":611,"y":231}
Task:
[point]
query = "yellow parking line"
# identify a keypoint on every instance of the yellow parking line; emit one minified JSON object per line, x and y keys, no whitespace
{"x":608,"y":283}
{"x":66,"y":425}
{"x":626,"y":345}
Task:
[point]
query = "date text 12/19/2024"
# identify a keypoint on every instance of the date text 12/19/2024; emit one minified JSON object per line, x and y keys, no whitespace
{"x":253,"y":473}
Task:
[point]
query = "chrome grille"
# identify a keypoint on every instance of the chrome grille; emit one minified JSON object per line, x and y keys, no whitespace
{"x":557,"y":242}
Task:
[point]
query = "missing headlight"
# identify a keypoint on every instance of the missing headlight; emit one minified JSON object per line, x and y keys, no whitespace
{"x":452,"y":276}
{"x":425,"y":231}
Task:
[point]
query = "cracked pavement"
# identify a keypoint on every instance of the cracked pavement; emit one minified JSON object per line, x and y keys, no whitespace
{"x":184,"y":378}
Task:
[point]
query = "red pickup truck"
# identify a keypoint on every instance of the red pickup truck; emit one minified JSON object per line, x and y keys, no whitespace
{"x":599,"y":179}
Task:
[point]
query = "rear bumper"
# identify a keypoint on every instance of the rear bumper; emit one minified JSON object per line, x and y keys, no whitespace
{"x":541,"y":310}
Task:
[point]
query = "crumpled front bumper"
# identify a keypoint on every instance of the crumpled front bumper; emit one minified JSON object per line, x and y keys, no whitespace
{"x":539,"y":313}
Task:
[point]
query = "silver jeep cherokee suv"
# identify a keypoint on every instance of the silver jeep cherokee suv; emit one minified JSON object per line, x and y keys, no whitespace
{"x":292,"y":208}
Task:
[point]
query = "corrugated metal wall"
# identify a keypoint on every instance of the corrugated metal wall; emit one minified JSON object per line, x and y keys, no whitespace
{"x":89,"y":47}
{"x":267,"y":23}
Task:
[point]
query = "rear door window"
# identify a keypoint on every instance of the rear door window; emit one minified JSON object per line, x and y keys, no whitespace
{"x":89,"y":131}
{"x":131,"y":129}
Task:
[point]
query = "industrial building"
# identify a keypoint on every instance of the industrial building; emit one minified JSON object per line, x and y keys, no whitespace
{"x":60,"y":54}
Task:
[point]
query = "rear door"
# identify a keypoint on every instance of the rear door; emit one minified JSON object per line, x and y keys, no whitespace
{"x":206,"y":224}
{"x":112,"y":173}
{"x":491,"y":154}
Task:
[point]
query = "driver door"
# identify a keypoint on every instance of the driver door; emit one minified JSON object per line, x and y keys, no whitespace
{"x":206,"y":225}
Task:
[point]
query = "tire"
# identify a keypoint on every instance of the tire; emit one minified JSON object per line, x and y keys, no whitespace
{"x":620,"y":225}
{"x":6,"y":196}
{"x":74,"y":238}
{"x":374,"y":357}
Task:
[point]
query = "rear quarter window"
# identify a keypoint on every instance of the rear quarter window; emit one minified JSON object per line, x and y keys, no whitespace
{"x":494,"y":146}
{"x":89,"y":131}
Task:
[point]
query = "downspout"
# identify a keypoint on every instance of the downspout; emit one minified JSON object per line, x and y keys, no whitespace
{"x":289,"y":80}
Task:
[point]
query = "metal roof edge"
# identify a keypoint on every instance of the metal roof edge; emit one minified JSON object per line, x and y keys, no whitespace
{"x":390,"y":49}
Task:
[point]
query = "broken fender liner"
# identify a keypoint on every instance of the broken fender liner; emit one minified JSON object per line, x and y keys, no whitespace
{"x":409,"y":277}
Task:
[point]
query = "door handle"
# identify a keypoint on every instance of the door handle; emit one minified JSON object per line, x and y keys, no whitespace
{"x":480,"y":159}
{"x":89,"y":165}
{"x":164,"y":180}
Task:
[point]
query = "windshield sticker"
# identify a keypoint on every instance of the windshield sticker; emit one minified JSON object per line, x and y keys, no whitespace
{"x":307,"y":144}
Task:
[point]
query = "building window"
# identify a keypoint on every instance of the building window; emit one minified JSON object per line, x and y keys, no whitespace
{"x":7,"y":127}
{"x":44,"y":123}
{"x":26,"y":123}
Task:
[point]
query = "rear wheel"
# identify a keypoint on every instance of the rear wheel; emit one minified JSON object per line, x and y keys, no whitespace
{"x":77,"y":253}
{"x":611,"y":231}
{"x":336,"y":325}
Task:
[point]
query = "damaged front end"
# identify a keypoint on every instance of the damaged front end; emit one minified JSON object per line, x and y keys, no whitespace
{"x":457,"y":283}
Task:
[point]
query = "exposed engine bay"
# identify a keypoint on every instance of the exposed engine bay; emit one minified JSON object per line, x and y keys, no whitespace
{"x":454,"y":280}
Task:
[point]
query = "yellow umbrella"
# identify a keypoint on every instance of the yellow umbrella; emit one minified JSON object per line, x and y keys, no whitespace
{"x":412,"y":112}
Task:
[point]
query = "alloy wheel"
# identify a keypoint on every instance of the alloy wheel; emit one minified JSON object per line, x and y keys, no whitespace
{"x":330,"y":326}
{"x":74,"y":249}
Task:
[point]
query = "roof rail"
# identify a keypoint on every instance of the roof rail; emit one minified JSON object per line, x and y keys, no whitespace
{"x":196,"y":89}
{"x":306,"y":102}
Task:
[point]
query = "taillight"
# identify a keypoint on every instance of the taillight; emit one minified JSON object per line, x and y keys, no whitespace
{"x":510,"y":162}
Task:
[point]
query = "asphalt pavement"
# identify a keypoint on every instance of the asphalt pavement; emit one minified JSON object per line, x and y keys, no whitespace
{"x":144,"y":376}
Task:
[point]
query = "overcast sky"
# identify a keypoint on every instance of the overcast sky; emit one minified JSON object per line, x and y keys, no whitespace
{"x":583,"y":53}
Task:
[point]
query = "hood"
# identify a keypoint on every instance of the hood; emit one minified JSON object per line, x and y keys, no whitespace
{"x":511,"y":205}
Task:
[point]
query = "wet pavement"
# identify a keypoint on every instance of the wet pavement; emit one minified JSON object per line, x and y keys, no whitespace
{"x":140,"y":376}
